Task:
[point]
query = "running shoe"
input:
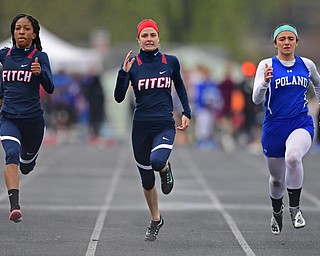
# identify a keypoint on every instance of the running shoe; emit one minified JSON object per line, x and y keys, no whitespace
{"x":153,"y":230}
{"x":27,"y":168}
{"x":276,"y":221}
{"x":296,"y":216}
{"x":166,"y":180}
{"x":16,"y":214}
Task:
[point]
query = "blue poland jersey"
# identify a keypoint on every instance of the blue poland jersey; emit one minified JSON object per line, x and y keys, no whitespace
{"x":286,"y":96}
{"x":151,"y":77}
{"x":19,"y":87}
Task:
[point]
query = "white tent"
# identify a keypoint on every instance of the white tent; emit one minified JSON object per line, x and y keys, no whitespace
{"x":63,"y":55}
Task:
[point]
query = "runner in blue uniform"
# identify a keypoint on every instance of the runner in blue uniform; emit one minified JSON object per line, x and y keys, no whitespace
{"x":25,"y":68}
{"x":287,"y":131}
{"x":151,"y":74}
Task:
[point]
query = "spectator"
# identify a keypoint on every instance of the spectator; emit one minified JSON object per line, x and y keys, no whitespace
{"x":207,"y":105}
{"x":94,"y":94}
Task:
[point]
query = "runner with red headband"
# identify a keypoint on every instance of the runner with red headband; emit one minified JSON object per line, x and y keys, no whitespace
{"x":151,"y":74}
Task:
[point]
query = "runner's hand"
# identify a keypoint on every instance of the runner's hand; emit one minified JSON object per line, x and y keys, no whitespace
{"x":128,"y":64}
{"x":35,"y":67}
{"x":268,"y":73}
{"x":184,"y":123}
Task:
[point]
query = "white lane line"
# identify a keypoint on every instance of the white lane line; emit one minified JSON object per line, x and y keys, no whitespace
{"x":305,"y":193}
{"x":170,"y":207}
{"x":194,"y":170}
{"x":121,"y":161}
{"x":310,"y":197}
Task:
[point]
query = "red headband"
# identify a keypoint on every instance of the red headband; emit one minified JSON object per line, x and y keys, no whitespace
{"x":147,"y":24}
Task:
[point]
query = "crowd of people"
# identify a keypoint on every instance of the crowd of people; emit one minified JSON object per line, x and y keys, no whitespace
{"x":224,"y":116}
{"x":77,"y":104}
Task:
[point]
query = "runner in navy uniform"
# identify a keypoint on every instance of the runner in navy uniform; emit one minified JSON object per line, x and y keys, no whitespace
{"x":287,"y":131}
{"x":151,"y":74}
{"x":25,"y":67}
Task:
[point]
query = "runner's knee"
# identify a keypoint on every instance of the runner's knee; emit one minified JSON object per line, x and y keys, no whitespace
{"x":158,"y":164}
{"x":12,"y":156}
{"x":147,"y":178}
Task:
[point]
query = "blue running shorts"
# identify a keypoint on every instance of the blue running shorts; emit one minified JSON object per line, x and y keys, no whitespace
{"x":276,"y":132}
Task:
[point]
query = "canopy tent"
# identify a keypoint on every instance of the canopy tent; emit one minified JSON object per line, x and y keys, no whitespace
{"x":64,"y":56}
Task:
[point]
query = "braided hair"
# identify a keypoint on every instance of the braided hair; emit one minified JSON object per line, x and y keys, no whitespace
{"x":36,"y":28}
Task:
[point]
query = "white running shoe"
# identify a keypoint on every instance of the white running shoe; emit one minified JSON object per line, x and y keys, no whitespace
{"x":296,"y":216}
{"x":276,"y":221}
